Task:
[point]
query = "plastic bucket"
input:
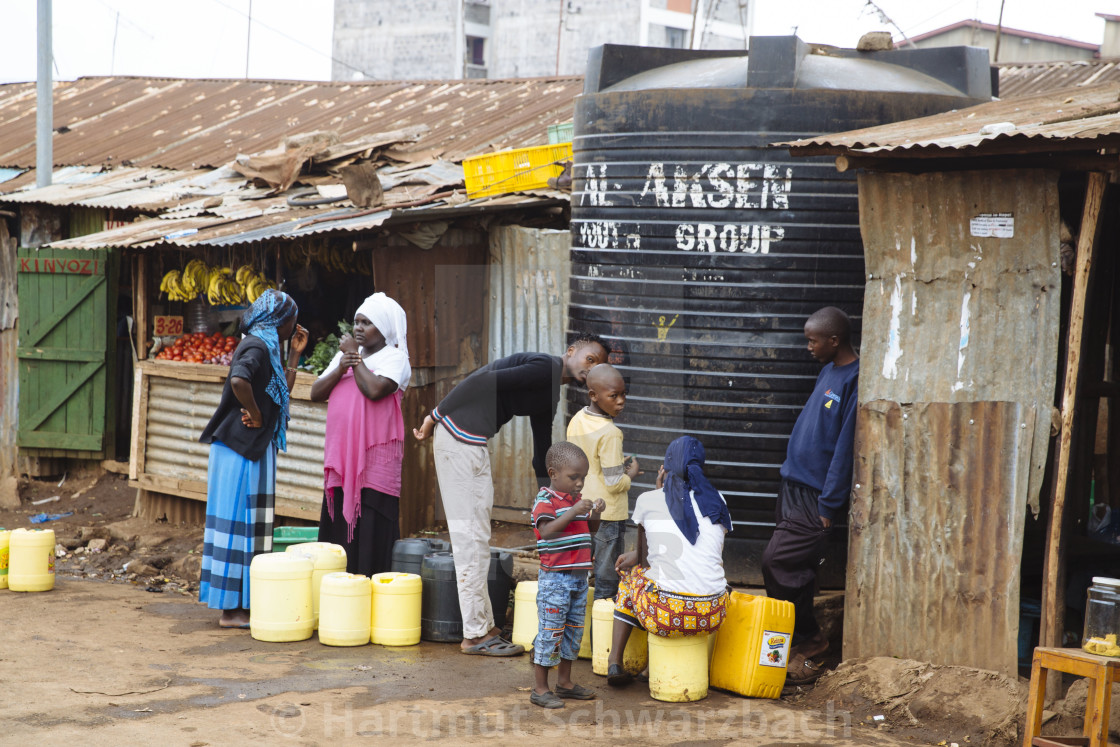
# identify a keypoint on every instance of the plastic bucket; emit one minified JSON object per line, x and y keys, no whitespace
{"x":634,"y":658}
{"x":678,"y":668}
{"x":285,"y":537}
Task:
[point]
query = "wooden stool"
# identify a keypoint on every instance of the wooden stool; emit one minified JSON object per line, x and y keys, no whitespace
{"x":1102,"y":671}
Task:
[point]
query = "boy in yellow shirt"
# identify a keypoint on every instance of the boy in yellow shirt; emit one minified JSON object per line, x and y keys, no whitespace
{"x":609,"y":474}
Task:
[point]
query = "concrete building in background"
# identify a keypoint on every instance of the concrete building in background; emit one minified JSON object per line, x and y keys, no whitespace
{"x":448,"y":39}
{"x":1014,"y":45}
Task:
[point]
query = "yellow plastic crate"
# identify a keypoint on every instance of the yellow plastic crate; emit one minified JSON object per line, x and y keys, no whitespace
{"x":514,"y":170}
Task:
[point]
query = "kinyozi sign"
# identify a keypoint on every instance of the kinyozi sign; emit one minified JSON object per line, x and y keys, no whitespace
{"x":56,"y":266}
{"x":719,"y":186}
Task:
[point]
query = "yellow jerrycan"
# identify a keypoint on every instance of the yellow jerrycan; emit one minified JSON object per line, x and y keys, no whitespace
{"x":396,"y":609}
{"x":31,"y":560}
{"x":752,"y":646}
{"x":5,"y":537}
{"x":525,"y":614}
{"x":327,"y":558}
{"x":280,"y":597}
{"x":344,"y":609}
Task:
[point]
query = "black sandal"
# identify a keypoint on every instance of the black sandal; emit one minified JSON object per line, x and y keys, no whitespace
{"x":494,"y":647}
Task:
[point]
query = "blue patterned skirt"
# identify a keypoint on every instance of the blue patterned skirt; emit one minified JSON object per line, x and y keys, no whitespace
{"x":240,"y":495}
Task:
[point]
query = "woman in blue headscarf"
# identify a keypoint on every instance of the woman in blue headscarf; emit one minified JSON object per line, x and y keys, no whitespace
{"x":247,"y":429}
{"x":673,"y":585}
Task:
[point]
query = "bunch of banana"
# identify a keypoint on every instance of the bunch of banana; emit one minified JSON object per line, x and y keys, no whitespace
{"x":256,"y":285}
{"x":171,"y":285}
{"x":222,"y":288}
{"x":194,"y":279}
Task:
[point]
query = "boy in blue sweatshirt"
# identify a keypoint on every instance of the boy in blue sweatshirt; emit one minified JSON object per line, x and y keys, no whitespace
{"x":816,"y":482}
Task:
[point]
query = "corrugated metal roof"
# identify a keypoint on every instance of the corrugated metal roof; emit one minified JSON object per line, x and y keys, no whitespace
{"x":132,"y":188}
{"x":1087,"y":114}
{"x":277,"y":221}
{"x":1003,"y":30}
{"x":1025,"y":78}
{"x":189,"y":124}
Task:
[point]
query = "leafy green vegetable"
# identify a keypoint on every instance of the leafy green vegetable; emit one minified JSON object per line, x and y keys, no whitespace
{"x":325,"y":349}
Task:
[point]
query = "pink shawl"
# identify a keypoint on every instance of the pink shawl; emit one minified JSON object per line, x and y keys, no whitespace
{"x":354,"y":424}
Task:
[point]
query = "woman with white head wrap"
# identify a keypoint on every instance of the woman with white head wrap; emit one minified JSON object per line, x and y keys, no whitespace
{"x":364,"y":445}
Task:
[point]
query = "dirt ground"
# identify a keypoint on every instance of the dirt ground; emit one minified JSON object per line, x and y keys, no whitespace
{"x":121,"y":653}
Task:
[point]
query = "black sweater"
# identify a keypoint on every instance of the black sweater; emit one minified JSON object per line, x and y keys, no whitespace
{"x":250,"y":362}
{"x":520,"y":384}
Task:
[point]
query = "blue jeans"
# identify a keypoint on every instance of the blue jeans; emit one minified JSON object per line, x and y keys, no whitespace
{"x":609,"y":541}
{"x":561,"y":608}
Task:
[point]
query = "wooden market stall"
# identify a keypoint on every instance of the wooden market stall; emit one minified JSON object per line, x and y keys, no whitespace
{"x":173,"y":400}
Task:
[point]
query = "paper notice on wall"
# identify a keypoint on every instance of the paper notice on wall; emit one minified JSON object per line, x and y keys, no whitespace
{"x":993,"y":225}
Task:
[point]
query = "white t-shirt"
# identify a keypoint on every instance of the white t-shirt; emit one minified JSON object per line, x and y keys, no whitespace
{"x":675,"y":563}
{"x":390,"y":362}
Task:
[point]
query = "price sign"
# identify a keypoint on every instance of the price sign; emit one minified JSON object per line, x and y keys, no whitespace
{"x":168,"y":325}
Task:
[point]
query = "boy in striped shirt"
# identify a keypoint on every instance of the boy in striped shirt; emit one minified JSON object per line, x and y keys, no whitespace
{"x":563,"y":523}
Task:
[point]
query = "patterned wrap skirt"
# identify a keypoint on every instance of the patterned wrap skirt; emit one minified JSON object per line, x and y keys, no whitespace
{"x":240,"y":499}
{"x":669,"y":614}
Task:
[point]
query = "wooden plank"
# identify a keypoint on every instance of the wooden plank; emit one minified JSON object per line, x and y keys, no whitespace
{"x":60,"y":354}
{"x":1053,"y":602}
{"x":205,"y":373}
{"x":170,"y":486}
{"x":1035,"y":701}
{"x":68,"y":441}
{"x":139,"y":423}
{"x":142,"y":313}
{"x":190,"y":489}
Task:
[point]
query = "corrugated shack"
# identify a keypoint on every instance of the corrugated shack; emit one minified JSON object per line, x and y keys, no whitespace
{"x":332,"y":191}
{"x":988,"y":330}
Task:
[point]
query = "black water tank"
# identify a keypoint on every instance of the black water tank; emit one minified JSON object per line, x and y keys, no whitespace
{"x":699,"y":250}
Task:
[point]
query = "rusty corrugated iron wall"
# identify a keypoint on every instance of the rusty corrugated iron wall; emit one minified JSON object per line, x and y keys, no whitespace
{"x":936,"y":532}
{"x":959,"y":353}
{"x":529,"y":291}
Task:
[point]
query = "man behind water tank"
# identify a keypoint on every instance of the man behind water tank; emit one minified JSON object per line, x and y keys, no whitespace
{"x":816,"y":482}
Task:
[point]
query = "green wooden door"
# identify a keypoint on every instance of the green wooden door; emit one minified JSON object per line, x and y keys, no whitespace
{"x":67,"y":313}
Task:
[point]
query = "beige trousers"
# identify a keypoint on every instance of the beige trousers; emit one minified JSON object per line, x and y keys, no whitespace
{"x":467,"y":488}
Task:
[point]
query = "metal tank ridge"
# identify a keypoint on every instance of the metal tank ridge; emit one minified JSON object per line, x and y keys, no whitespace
{"x":698,"y":250}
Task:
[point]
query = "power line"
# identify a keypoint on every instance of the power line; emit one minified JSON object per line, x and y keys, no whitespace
{"x":293,"y":39}
{"x":887,"y":20}
{"x":128,"y":21}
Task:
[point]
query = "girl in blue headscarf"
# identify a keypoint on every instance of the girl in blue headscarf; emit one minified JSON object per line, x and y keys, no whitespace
{"x":673,"y":585}
{"x":247,"y":429}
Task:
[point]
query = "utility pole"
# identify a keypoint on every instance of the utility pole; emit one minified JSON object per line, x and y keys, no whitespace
{"x":44,"y":99}
{"x":999,"y":32}
{"x":248,"y":38}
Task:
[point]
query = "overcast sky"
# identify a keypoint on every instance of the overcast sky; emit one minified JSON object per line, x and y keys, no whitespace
{"x":292,"y":38}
